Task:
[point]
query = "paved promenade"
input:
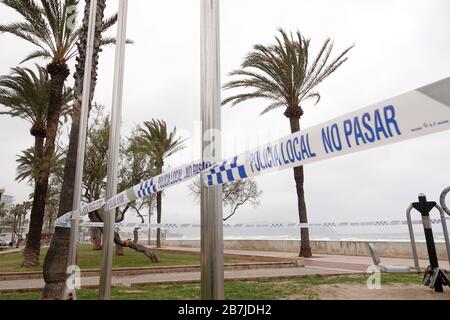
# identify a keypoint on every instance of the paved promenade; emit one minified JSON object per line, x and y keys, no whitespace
{"x":172,"y":278}
{"x":336,"y":262}
{"x":318,"y":265}
{"x":9,"y":251}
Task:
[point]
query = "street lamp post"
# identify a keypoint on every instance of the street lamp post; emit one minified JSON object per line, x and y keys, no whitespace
{"x":78,"y":185}
{"x":212,"y":274}
{"x":113,"y":154}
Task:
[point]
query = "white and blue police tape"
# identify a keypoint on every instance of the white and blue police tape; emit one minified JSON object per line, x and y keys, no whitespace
{"x":382,"y":223}
{"x":144,"y":189}
{"x":65,"y":219}
{"x":170,"y":178}
{"x":158,"y":183}
{"x":416,"y":113}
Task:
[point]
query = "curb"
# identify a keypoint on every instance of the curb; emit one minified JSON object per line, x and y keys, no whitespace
{"x":172,"y":282}
{"x":10,"y":276}
{"x":266,"y":258}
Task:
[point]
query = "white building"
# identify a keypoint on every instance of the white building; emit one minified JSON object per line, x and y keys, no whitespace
{"x":7,"y":200}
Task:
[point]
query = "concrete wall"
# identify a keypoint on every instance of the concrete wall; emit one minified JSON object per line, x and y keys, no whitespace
{"x":358,"y":248}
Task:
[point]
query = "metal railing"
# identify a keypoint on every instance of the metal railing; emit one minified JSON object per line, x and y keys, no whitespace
{"x":442,"y":200}
{"x":442,"y":210}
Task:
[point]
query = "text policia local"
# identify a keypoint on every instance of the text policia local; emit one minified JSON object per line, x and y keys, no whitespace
{"x":367,"y":128}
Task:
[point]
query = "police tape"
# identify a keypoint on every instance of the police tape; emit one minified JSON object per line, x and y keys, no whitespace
{"x":416,"y":113}
{"x":158,"y":183}
{"x":413,"y":114}
{"x":381,"y":223}
{"x":144,"y":189}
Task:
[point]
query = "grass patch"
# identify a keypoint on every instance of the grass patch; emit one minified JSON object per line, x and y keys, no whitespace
{"x":270,"y":289}
{"x":88,"y":259}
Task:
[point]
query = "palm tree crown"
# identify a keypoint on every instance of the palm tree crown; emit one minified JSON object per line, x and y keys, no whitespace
{"x":283,"y":73}
{"x":25,"y":94}
{"x":49,"y":25}
{"x":28,"y":165}
{"x":157,"y":142}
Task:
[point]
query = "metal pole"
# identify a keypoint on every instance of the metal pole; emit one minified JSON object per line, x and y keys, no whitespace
{"x":212,"y":274}
{"x":113,"y":156}
{"x":442,"y":200}
{"x":413,"y":240}
{"x":72,"y":258}
{"x":149,"y":222}
{"x":445,"y":231}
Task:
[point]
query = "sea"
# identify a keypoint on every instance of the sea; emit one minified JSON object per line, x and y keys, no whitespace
{"x":360,"y":233}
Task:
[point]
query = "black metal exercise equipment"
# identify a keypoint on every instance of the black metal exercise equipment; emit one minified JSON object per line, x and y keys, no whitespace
{"x":434,"y":277}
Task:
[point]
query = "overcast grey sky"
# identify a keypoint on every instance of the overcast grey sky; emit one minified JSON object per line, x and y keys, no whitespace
{"x":400,"y":45}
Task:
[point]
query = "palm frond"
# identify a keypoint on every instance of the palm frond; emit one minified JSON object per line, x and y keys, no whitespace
{"x":273,"y":106}
{"x":27,"y":168}
{"x":46,"y":24}
{"x":106,"y":41}
{"x":26,"y":94}
{"x":154,"y":139}
{"x":109,"y":22}
{"x":282,"y":72}
{"x":36,"y":54}
{"x":29,"y":162}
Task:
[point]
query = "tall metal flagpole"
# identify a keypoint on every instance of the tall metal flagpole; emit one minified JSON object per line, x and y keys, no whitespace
{"x":72,"y":258}
{"x":113,"y":156}
{"x":212,"y":274}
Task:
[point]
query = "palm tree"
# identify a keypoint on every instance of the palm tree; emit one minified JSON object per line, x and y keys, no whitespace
{"x":155,"y":141}
{"x":55,"y":263}
{"x":25,"y":95}
{"x":28,"y":168}
{"x":18,"y":213}
{"x":102,"y":25}
{"x":283,"y":74}
{"x":48,"y":25}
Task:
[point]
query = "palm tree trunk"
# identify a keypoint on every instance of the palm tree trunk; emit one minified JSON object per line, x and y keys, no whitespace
{"x":14,"y":229}
{"x":55,"y":264}
{"x":149,"y":223}
{"x":38,"y":147}
{"x":49,"y":225}
{"x":59,"y":73}
{"x":19,"y":226}
{"x":96,"y":239}
{"x":32,"y":256}
{"x":158,"y":217}
{"x":305,"y":249}
{"x":136,"y":235}
{"x":33,"y":242}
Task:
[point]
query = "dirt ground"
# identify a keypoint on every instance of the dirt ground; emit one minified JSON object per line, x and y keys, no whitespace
{"x":386,"y":292}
